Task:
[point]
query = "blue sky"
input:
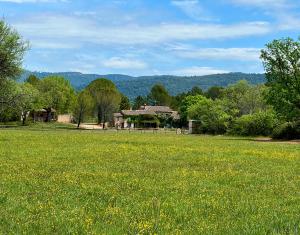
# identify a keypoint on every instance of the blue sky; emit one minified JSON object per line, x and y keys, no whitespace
{"x":145,"y":37}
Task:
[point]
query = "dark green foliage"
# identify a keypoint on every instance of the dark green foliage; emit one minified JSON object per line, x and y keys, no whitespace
{"x":176,"y":84}
{"x":141,"y":86}
{"x":33,"y":80}
{"x":139,"y":101}
{"x":288,"y":131}
{"x":256,"y":124}
{"x":281,"y":61}
{"x":125,"y":103}
{"x":187,"y":102}
{"x":106,"y":99}
{"x":8,"y":93}
{"x":214,"y":92}
{"x":159,"y":95}
{"x":83,"y":107}
{"x":244,"y":98}
{"x":142,"y":121}
{"x":195,"y":91}
{"x":177,"y":100}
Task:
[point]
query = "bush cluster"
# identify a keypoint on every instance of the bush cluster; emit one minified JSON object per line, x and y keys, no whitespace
{"x":260,"y":123}
{"x":287,"y":130}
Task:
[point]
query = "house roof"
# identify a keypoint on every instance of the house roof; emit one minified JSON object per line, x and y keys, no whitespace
{"x":149,"y":110}
{"x":158,"y":109}
{"x":44,"y":110}
{"x":137,"y":112}
{"x":118,"y":115}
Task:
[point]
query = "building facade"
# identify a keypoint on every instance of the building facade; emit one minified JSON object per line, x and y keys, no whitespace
{"x":145,"y":117}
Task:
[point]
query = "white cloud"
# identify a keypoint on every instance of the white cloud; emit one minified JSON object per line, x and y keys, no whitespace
{"x":44,"y":44}
{"x":285,"y":12}
{"x":244,"y":54}
{"x":198,"y":71}
{"x":50,"y":28}
{"x":33,"y":1}
{"x":261,"y":3}
{"x":193,"y":9}
{"x":124,"y":63}
{"x":85,"y":13}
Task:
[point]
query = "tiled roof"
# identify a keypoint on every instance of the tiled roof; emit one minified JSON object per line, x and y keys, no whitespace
{"x":159,"y":109}
{"x":137,"y":112}
{"x":118,"y":115}
{"x":149,"y":110}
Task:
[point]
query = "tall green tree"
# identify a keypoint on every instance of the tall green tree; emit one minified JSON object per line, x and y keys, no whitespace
{"x":125,"y":103}
{"x":9,"y":98}
{"x":187,"y":102}
{"x":83,"y":107}
{"x":159,"y":95}
{"x":281,"y":59}
{"x":245,"y":98}
{"x":177,"y":100}
{"x":214,"y":92}
{"x":12,"y":49}
{"x":211,"y":115}
{"x":33,"y":80}
{"x":57,"y":93}
{"x":29,"y":101}
{"x":139,"y":101}
{"x":106,"y":99}
{"x":195,"y":91}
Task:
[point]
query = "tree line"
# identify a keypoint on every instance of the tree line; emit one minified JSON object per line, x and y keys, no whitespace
{"x":241,"y":108}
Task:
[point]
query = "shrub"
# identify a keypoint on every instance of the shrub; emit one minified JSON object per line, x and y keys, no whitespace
{"x":260,"y":123}
{"x":211,"y":116}
{"x":288,"y":131}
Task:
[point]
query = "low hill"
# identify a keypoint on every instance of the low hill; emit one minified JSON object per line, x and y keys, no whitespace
{"x":134,"y":86}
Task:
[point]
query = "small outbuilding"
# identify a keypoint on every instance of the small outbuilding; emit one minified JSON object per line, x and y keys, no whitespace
{"x":44,"y":115}
{"x":194,"y":127}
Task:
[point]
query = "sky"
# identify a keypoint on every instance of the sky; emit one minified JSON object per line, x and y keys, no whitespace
{"x":150,"y":37}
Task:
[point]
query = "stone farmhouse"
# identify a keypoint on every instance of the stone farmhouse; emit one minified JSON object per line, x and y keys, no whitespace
{"x":145,"y":117}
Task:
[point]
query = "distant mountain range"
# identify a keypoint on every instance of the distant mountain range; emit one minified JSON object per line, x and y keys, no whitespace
{"x":134,"y":86}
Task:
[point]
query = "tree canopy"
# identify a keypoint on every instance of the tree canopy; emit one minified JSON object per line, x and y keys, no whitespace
{"x":159,"y":95}
{"x":125,"y":103}
{"x":12,"y":49}
{"x":281,"y":59}
{"x":57,"y":93}
{"x":83,"y":107}
{"x":106,"y":98}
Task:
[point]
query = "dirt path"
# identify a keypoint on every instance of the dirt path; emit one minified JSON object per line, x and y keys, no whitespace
{"x":91,"y":127}
{"x":277,"y":141}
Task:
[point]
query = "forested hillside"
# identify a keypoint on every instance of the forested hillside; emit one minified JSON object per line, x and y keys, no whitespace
{"x":134,"y":86}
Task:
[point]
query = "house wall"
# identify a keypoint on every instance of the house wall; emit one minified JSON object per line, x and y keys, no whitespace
{"x":118,"y":122}
{"x":194,"y":127}
{"x":65,"y":118}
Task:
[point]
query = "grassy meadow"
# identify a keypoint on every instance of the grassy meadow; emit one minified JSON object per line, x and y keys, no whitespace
{"x":84,"y":182}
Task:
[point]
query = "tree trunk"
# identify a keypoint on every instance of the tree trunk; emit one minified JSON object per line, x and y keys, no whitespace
{"x":79,"y":120}
{"x":48,"y":118}
{"x":99,"y":115}
{"x":24,"y":114}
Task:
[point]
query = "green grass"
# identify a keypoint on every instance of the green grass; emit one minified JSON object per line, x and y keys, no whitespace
{"x":78,"y":182}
